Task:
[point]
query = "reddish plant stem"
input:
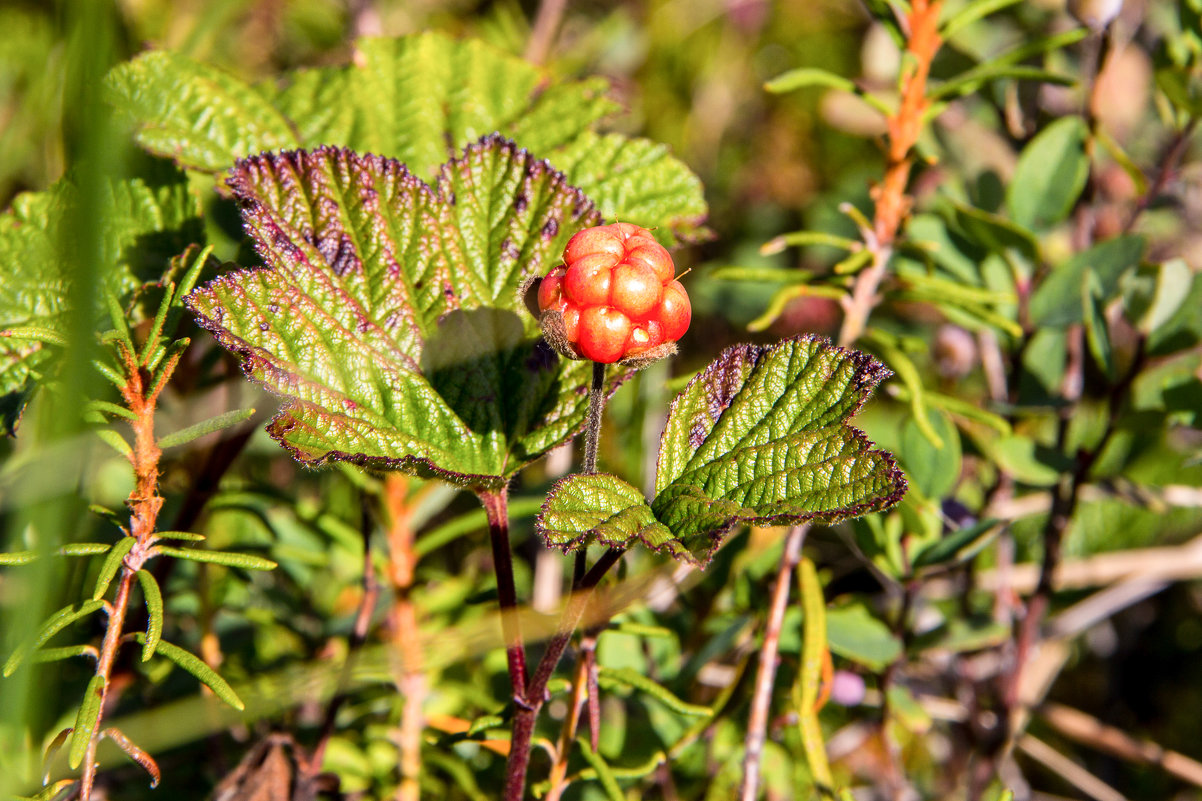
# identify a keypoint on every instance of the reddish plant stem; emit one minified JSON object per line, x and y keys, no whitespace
{"x":144,"y":505}
{"x":892,"y":202}
{"x":496,"y":507}
{"x":765,"y":677}
{"x":526,"y":712}
{"x":104,"y":668}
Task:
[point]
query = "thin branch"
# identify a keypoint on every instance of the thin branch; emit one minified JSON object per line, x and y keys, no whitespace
{"x":753,"y":743}
{"x":542,"y":34}
{"x":892,"y":202}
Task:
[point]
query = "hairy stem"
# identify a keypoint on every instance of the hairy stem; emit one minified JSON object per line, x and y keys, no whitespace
{"x":144,"y":505}
{"x":765,"y":677}
{"x":596,"y":413}
{"x":104,"y":668}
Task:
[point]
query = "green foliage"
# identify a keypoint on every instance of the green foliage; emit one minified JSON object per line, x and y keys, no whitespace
{"x":760,"y":436}
{"x":395,"y":326}
{"x":419,"y":100}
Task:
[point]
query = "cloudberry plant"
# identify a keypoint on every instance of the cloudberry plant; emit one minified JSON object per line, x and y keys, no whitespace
{"x":615,"y":297}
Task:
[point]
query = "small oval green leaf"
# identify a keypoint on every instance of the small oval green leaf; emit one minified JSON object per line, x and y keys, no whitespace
{"x":199,"y":669}
{"x":154,"y":613}
{"x":86,"y":721}
{"x":243,"y":560}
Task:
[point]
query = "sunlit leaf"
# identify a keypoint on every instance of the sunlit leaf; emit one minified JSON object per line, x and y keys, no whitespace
{"x":390,"y":315}
{"x":199,"y":669}
{"x":760,"y":436}
{"x":418,"y":99}
{"x":86,"y":721}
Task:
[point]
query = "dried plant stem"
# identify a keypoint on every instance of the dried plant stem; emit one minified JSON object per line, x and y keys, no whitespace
{"x":559,"y":769}
{"x":542,"y":34}
{"x":765,"y":677}
{"x":892,"y":202}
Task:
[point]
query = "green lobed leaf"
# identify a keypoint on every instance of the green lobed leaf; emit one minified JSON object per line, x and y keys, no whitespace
{"x":53,"y":625}
{"x":86,"y":721}
{"x":760,"y":436}
{"x":1050,"y":174}
{"x":154,"y":613}
{"x":227,"y":558}
{"x":199,"y":669}
{"x":1057,"y":300}
{"x":418,"y":99}
{"x":390,"y":314}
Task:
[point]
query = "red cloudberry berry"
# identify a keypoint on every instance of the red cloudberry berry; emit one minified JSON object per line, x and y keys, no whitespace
{"x":616,"y":295}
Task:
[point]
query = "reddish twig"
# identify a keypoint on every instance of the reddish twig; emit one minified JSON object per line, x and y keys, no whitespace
{"x":892,"y":201}
{"x":144,"y":505}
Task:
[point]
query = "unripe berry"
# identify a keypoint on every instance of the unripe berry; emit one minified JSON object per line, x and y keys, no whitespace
{"x":614,"y":298}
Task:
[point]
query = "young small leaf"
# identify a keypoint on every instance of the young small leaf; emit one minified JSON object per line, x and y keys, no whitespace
{"x":243,"y":560}
{"x":59,"y":654}
{"x":186,"y":536}
{"x":110,"y":566}
{"x":136,"y":754}
{"x":154,"y":613}
{"x":85,"y":548}
{"x":186,"y":435}
{"x":199,"y":669}
{"x":599,"y":507}
{"x":86,"y":721}
{"x":18,"y":557}
{"x":56,"y":623}
{"x":115,"y":441}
